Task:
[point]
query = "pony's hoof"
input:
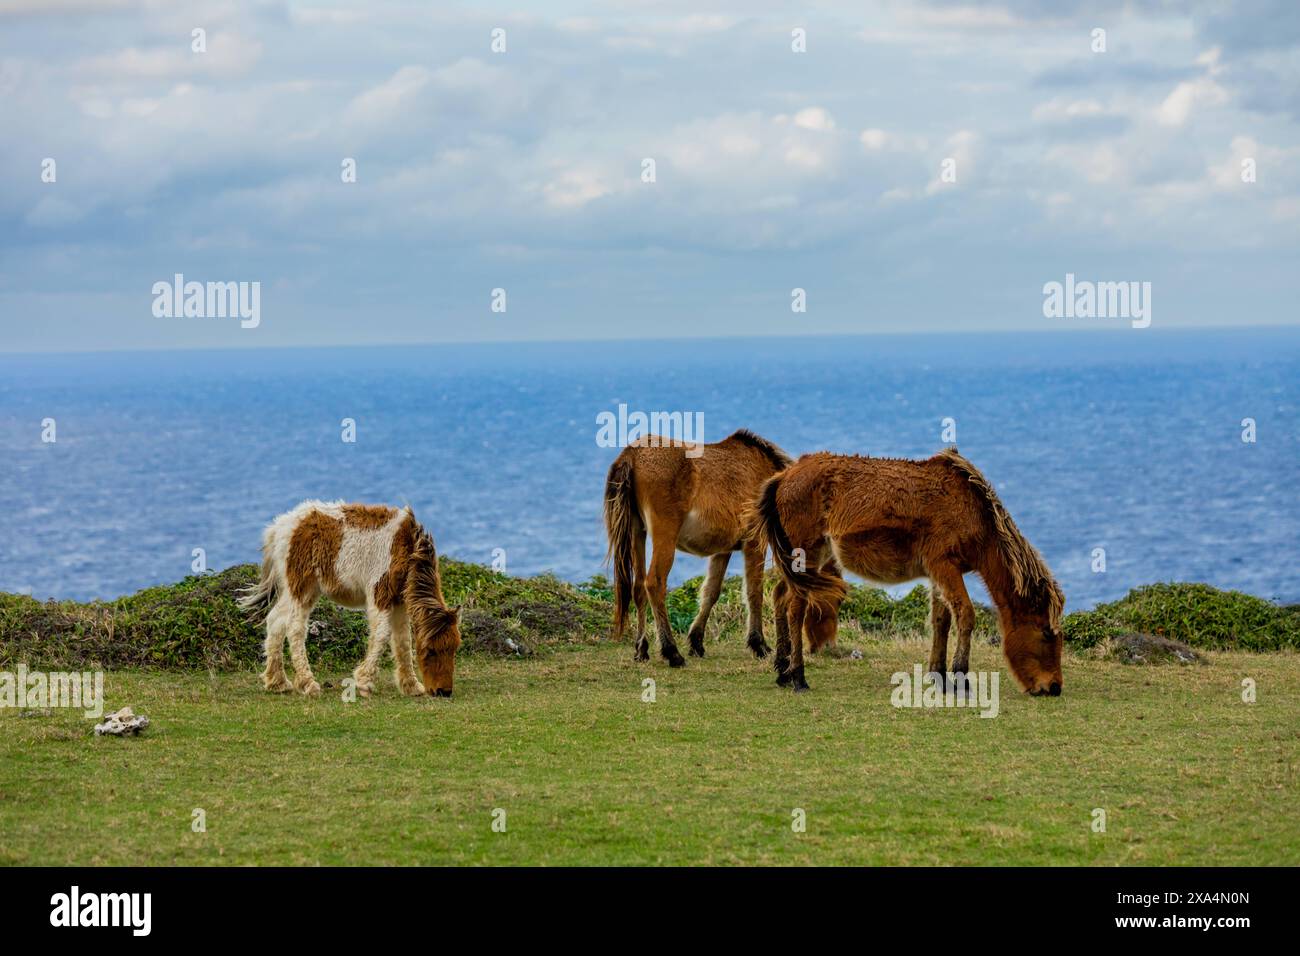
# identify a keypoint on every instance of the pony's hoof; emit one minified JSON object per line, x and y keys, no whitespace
{"x":801,"y":687}
{"x":277,"y":685}
{"x":311,"y":689}
{"x":642,"y":653}
{"x":797,"y":680}
{"x":759,"y":647}
{"x":697,"y":649}
{"x":412,"y":690}
{"x":782,"y":678}
{"x":365,"y":690}
{"x":675,"y":659}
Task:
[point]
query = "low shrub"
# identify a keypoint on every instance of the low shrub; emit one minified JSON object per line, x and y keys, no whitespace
{"x":1196,"y":614}
{"x":197,"y":623}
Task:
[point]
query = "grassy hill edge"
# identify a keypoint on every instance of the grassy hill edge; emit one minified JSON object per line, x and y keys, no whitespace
{"x":195,"y":623}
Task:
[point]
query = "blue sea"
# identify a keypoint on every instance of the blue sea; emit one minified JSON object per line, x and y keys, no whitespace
{"x":1129,"y":441}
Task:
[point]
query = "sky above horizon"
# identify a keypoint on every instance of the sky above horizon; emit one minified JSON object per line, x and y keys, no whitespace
{"x":830,"y":170}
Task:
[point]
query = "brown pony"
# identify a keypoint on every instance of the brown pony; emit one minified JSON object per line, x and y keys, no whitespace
{"x":690,"y":503}
{"x":362,"y":556}
{"x":893,"y":520}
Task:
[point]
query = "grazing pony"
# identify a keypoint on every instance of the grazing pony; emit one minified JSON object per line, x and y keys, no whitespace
{"x":893,"y":520}
{"x":694,"y":504}
{"x":362,"y":556}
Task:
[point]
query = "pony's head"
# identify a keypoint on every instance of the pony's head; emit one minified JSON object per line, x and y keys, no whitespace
{"x":821,"y":625}
{"x":437,"y":635}
{"x":434,"y":626}
{"x":1032,"y":641}
{"x":1029,"y":600}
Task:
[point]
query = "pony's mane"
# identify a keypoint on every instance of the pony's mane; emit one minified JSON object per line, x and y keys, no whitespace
{"x":423,"y":580}
{"x":774,"y":454}
{"x":1030,"y":575}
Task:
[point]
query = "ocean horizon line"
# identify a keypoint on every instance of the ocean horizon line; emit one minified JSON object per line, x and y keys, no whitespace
{"x":1036,"y":333}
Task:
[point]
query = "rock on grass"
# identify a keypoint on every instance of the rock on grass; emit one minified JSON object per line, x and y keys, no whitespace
{"x":1148,"y":649}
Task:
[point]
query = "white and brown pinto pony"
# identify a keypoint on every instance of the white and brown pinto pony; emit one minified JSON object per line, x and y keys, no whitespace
{"x":369,"y":557}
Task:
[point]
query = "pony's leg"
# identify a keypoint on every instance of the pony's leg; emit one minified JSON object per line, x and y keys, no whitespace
{"x":780,"y":616}
{"x":303,"y":680}
{"x":940,"y":619}
{"x":639,"y":595}
{"x":950,"y":582}
{"x":754,"y":556}
{"x":364,"y":675}
{"x":277,"y":629}
{"x":664,"y":543}
{"x":399,"y":624}
{"x":708,"y":597}
{"x":798,"y":610}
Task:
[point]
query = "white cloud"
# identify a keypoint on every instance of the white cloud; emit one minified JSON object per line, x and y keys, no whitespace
{"x":575,"y":187}
{"x":965,"y":18}
{"x":228,"y":53}
{"x":579,"y":25}
{"x":391,"y":98}
{"x":814,"y":117}
{"x":134,"y":62}
{"x":1096,"y":163}
{"x":1203,"y":91}
{"x":875,"y":139}
{"x":736,"y":150}
{"x":1175,"y":109}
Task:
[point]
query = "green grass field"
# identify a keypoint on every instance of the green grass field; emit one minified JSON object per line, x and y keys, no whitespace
{"x":711,"y":772}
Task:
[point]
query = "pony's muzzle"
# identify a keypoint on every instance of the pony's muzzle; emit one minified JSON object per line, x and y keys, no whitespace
{"x":1055,"y":689}
{"x":446,"y":692}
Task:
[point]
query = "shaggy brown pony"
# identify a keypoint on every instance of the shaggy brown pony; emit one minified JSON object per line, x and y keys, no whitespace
{"x":890,"y":521}
{"x":362,"y":556}
{"x":693,"y":504}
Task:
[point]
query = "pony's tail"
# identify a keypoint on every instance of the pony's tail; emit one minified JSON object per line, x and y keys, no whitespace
{"x":822,"y":590}
{"x":764,"y":525}
{"x":621,"y":520}
{"x":259,"y":597}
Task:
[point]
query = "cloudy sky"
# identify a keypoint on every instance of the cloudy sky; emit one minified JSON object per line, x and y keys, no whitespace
{"x":522,"y":169}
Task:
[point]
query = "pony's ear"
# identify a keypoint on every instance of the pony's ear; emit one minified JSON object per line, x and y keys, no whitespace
{"x":423,"y":545}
